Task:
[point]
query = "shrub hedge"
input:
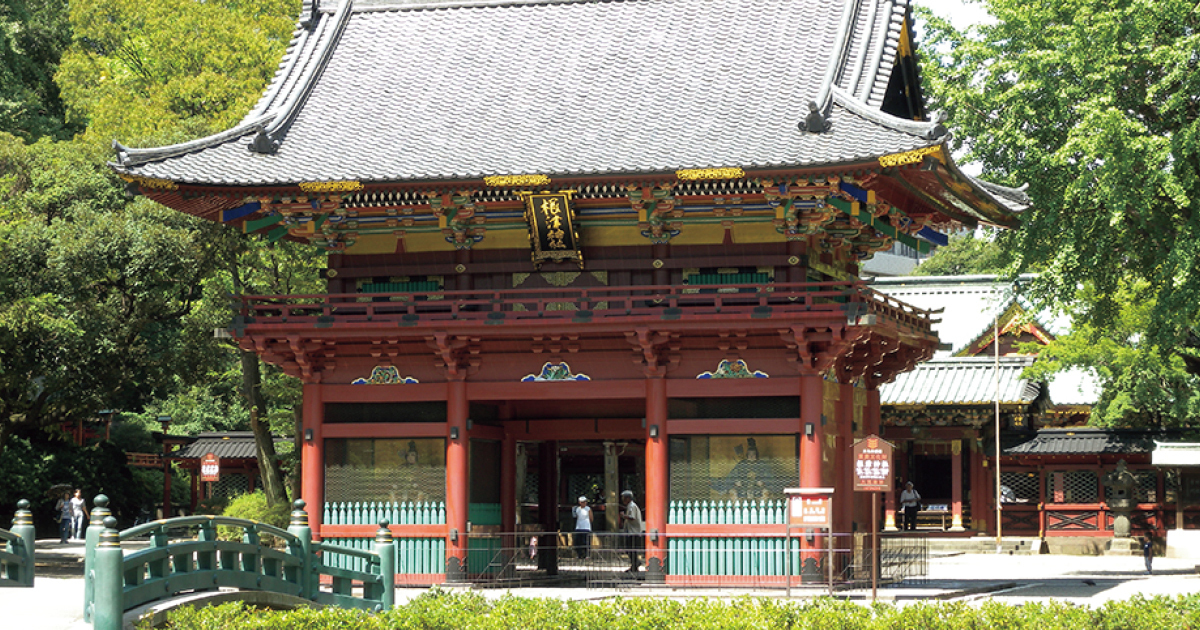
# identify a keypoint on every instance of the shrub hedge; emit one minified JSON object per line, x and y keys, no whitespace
{"x":440,"y":610}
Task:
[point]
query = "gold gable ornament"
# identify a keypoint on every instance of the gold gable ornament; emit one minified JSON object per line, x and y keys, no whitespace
{"x":551,"y":220}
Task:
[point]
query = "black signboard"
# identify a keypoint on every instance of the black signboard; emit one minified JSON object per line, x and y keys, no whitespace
{"x":551,"y":221}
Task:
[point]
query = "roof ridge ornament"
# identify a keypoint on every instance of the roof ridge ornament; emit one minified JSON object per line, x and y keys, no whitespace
{"x":816,"y":121}
{"x":306,"y":13}
{"x":263,"y":142}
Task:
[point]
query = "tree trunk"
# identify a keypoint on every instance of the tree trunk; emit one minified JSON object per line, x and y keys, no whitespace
{"x":264,"y":443}
{"x":297,"y":441}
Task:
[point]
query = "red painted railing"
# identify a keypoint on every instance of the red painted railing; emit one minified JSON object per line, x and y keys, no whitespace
{"x":853,"y":301}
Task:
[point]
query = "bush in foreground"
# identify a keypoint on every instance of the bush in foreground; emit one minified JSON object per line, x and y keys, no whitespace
{"x":438,"y":610}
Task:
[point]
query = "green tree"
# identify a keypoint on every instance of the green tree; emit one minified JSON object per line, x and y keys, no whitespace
{"x":965,"y":255}
{"x":1094,"y":104}
{"x":93,"y":289}
{"x":33,"y":36}
{"x":1142,"y":386}
{"x":166,"y":70}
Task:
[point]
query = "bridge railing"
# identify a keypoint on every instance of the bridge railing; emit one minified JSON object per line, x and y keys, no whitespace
{"x":116,"y":582}
{"x":16,"y":556}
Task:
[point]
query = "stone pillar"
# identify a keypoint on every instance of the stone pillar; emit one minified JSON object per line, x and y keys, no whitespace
{"x":657,"y":474}
{"x":312,"y":456}
{"x":956,"y":524}
{"x":457,"y":472}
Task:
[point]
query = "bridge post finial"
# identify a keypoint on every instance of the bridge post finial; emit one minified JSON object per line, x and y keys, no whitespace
{"x":109,"y":605}
{"x":298,"y":527}
{"x":91,"y":538}
{"x":385,"y":546}
{"x":23,"y":527}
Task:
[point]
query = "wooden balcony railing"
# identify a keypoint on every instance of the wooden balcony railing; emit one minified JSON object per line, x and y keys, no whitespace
{"x":852,"y":302}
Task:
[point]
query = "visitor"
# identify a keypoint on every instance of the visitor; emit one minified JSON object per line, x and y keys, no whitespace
{"x":62,"y":511}
{"x":583,"y":528}
{"x":1148,"y":553}
{"x":910,"y":502}
{"x":78,"y":514}
{"x":631,"y":526}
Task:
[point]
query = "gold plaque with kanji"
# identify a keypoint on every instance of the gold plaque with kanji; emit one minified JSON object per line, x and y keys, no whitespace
{"x":552,"y":234}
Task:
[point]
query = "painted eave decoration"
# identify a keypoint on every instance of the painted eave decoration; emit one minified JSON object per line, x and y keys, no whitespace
{"x":555,"y":372}
{"x":385,"y":375}
{"x":732,"y":369}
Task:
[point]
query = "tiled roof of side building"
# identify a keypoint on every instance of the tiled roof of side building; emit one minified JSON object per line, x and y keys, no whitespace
{"x":961,"y":381}
{"x":225,"y":445}
{"x":397,"y":91}
{"x":1086,"y":441}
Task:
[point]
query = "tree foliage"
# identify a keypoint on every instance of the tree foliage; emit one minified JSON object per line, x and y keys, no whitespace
{"x":966,"y":254}
{"x":33,"y":36}
{"x":93,"y":289}
{"x":164,"y":70}
{"x":1142,"y":386}
{"x":1096,"y":105}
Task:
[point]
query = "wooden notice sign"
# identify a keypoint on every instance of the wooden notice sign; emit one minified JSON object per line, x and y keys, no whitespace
{"x":872,"y":458}
{"x":210,"y":467}
{"x":811,"y":509}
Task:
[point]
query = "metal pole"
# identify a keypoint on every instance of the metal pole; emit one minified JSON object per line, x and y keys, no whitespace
{"x":874,"y":544}
{"x":829,"y":560}
{"x":996,"y":342}
{"x":787,"y":555}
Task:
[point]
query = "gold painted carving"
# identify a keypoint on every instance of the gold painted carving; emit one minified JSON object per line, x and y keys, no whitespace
{"x":326,"y":187}
{"x":151,"y":182}
{"x":519,"y":278}
{"x":498,"y":181}
{"x":560,"y":278}
{"x":696,"y":174}
{"x":911,"y":157}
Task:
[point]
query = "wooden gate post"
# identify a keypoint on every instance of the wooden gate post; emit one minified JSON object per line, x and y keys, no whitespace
{"x":109,"y":605}
{"x":100,"y":512}
{"x":23,"y":527}
{"x":298,"y":527}
{"x":385,"y":546}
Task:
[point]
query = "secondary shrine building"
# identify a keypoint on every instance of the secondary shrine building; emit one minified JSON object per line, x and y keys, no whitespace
{"x":579,"y":247}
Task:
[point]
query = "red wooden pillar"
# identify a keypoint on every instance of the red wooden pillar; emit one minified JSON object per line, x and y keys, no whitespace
{"x":457,"y":472}
{"x":812,"y":402}
{"x":956,"y":503}
{"x":312,"y":456}
{"x":977,"y":487}
{"x":508,"y":492}
{"x":657,"y":473}
{"x":195,"y":490}
{"x":843,"y":481}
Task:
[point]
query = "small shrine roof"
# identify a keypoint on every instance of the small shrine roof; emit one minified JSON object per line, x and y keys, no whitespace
{"x":969,"y":305}
{"x":963,"y":381}
{"x":403,"y":91}
{"x":224,"y":444}
{"x":1085,"y":441}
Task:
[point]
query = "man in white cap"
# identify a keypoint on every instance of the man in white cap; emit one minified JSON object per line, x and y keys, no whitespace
{"x":583,"y":528}
{"x":631,"y":526}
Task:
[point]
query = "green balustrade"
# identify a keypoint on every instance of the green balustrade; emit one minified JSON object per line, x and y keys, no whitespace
{"x":729,"y":555}
{"x":16,"y":557}
{"x":118,"y":582}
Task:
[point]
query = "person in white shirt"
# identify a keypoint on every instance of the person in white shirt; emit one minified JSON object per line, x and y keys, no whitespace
{"x":583,"y":528}
{"x":910,"y":501}
{"x":632,"y":527}
{"x":78,"y":513}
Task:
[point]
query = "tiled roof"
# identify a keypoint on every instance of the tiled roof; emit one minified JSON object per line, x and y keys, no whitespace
{"x":962,"y":381}
{"x":225,"y":445}
{"x":970,"y":305}
{"x":442,"y":90}
{"x":1085,"y":441}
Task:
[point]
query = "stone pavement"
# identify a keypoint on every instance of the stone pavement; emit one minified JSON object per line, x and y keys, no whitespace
{"x":55,"y":602}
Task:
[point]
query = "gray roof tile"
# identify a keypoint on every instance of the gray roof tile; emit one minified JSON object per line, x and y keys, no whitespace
{"x":1085,"y":441}
{"x":461,"y":91}
{"x":225,"y":445}
{"x":958,"y":381}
